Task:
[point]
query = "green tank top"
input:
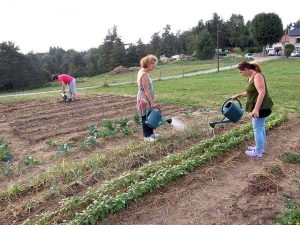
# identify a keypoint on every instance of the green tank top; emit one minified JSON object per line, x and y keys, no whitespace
{"x":252,"y":95}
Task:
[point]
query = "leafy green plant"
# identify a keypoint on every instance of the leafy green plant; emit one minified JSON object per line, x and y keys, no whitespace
{"x":126,"y":130}
{"x":292,"y":214}
{"x":29,"y":160}
{"x":108,"y":124}
{"x":291,"y":157}
{"x":92,"y":129}
{"x":107,"y":132}
{"x":91,"y":140}
{"x":7,"y":168}
{"x":136,"y":118}
{"x":188,"y":112}
{"x":5,"y":152}
{"x":64,"y":148}
{"x":134,"y":129}
{"x":123,"y":122}
{"x":49,"y":142}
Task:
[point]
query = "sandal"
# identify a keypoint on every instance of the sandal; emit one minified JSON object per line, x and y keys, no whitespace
{"x":253,"y":154}
{"x":250,"y":148}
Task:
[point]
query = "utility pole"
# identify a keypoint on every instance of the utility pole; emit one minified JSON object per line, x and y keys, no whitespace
{"x":218,"y":46}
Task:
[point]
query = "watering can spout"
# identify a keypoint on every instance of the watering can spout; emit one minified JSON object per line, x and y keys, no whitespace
{"x":169,"y":120}
{"x":212,"y":124}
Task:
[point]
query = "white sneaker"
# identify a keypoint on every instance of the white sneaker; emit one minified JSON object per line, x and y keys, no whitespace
{"x":149,"y":139}
{"x":155,"y":135}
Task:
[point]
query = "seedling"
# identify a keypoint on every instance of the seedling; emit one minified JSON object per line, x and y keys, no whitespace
{"x":92,"y":129}
{"x":126,"y":130}
{"x":5,"y":152}
{"x":136,"y":118}
{"x":64,"y":148}
{"x":291,"y":157}
{"x":107,"y":124}
{"x":29,"y":160}
{"x":123,"y":122}
{"x":49,"y":142}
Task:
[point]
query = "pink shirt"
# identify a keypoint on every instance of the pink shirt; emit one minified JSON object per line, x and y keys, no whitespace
{"x":65,"y":78}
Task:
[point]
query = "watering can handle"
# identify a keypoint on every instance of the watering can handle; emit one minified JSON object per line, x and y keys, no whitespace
{"x":157,"y":108}
{"x":231,"y":100}
{"x":148,"y":112}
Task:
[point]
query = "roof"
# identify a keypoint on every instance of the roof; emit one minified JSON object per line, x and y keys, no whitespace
{"x":285,"y":38}
{"x":294,"y":32}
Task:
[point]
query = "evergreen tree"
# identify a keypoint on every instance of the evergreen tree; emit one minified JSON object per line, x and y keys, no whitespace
{"x":155,"y":45}
{"x":118,"y":55}
{"x":204,"y":45}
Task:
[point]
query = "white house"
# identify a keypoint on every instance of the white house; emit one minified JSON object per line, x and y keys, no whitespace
{"x":295,"y":38}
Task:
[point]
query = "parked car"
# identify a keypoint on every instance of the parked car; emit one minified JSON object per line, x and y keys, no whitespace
{"x":271,"y":52}
{"x":295,"y":54}
{"x":248,"y":56}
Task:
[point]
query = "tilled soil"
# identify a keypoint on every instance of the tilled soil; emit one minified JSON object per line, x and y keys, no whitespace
{"x":223,"y":192}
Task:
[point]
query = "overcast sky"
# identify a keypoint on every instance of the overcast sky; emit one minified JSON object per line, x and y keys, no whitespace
{"x":35,"y":25}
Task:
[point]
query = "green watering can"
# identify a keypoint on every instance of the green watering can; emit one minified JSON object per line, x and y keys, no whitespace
{"x":153,"y":118}
{"x":231,"y":111}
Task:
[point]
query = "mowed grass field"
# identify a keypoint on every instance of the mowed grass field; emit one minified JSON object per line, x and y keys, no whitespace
{"x":204,"y":90}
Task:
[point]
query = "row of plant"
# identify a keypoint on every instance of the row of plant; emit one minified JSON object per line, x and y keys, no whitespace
{"x":98,"y":166}
{"x":109,"y":129}
{"x":114,"y":195}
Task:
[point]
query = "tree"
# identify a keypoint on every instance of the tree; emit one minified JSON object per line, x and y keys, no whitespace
{"x":204,"y":46}
{"x":91,"y":58}
{"x":155,"y":45}
{"x":168,"y":42}
{"x":131,"y":55}
{"x":118,"y":55}
{"x":104,"y":62}
{"x":266,"y":28}
{"x":18,"y":71}
{"x":237,"y":30}
{"x":141,"y":49}
{"x":297,"y":24}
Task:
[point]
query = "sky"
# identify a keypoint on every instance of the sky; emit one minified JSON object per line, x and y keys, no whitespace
{"x":37,"y":25}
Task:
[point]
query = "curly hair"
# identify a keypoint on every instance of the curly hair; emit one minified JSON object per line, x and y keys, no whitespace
{"x":147,"y":60}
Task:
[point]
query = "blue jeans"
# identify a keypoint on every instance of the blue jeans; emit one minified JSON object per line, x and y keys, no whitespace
{"x":259,"y":133}
{"x":147,"y":131}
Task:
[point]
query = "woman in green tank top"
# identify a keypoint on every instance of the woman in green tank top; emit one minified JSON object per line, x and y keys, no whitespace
{"x":258,"y":103}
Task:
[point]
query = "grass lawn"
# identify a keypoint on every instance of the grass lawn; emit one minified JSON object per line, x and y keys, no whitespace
{"x":204,"y":90}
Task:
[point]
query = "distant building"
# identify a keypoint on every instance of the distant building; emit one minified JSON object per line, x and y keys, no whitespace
{"x":295,"y":38}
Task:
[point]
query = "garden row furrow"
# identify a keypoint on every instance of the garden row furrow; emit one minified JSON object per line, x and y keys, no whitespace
{"x":115,"y":194}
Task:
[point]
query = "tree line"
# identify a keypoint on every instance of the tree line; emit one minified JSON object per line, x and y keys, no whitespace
{"x":24,"y":71}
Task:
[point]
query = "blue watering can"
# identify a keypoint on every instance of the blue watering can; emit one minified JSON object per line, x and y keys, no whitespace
{"x":153,"y":118}
{"x":231,"y":111}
